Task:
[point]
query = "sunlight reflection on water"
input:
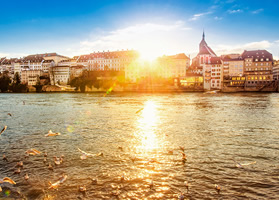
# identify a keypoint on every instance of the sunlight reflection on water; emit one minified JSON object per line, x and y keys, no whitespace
{"x":147,"y":125}
{"x":139,"y":136}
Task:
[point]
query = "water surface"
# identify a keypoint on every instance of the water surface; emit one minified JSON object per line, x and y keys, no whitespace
{"x":214,"y":129}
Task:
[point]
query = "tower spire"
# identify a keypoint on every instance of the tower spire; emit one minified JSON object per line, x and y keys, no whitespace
{"x":203,"y":34}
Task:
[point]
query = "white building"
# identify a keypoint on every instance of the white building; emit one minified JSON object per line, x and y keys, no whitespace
{"x":112,"y":61}
{"x":30,"y":77}
{"x":59,"y":75}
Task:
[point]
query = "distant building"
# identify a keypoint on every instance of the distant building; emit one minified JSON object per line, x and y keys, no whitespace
{"x":70,"y":62}
{"x":173,"y":66}
{"x":216,"y":81}
{"x":191,"y":81}
{"x":257,"y":67}
{"x":76,"y":71}
{"x":202,"y":64}
{"x":275,"y":70}
{"x":233,"y":65}
{"x":59,"y":75}
{"x":164,"y":68}
{"x":108,"y":61}
{"x":31,"y":77}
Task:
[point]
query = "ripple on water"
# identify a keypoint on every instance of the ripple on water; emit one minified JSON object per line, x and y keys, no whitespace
{"x":214,"y":129}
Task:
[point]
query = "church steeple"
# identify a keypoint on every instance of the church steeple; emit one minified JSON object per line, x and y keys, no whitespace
{"x":203,"y":35}
{"x":204,"y":48}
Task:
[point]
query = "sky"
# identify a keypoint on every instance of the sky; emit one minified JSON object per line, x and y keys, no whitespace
{"x":154,"y":28}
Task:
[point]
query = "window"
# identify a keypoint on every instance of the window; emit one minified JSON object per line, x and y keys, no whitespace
{"x":267,"y":59}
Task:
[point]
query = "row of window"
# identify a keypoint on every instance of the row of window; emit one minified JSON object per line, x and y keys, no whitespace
{"x":257,"y":64}
{"x":256,"y":69}
{"x":267,"y":59}
{"x":258,"y":78}
{"x":107,"y":61}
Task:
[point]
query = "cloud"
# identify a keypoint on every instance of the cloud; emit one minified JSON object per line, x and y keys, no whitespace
{"x":226,"y":49}
{"x":151,"y":38}
{"x":12,"y":55}
{"x":3,"y":55}
{"x":197,"y":16}
{"x":218,"y":18}
{"x":230,"y":1}
{"x":235,"y":11}
{"x":257,"y":11}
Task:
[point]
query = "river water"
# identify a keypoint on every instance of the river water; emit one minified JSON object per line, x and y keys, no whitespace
{"x":139,"y":136}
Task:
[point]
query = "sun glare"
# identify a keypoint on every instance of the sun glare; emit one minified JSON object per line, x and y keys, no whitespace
{"x":148,"y":55}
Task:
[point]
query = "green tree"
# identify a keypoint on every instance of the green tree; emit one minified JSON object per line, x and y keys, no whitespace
{"x":5,"y":81}
{"x":38,"y":85}
{"x":16,"y":86}
{"x":17,"y":78}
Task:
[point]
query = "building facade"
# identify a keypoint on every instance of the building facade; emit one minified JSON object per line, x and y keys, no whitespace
{"x":31,"y":77}
{"x":202,"y":64}
{"x":60,"y":75}
{"x":275,"y":70}
{"x":257,"y":67}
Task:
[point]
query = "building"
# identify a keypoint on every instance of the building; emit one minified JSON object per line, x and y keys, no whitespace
{"x":257,"y":67}
{"x":216,"y":81}
{"x":173,"y":66}
{"x":165,"y":68}
{"x":107,"y":61}
{"x":60,"y":75}
{"x":70,"y":62}
{"x":76,"y":71}
{"x":31,"y":77}
{"x":201,"y":64}
{"x":191,"y":81}
{"x":233,"y":65}
{"x":275,"y":70}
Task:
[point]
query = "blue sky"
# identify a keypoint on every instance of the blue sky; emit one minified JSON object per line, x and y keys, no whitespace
{"x":152,"y":27}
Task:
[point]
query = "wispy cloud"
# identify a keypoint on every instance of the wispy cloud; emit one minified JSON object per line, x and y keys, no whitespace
{"x":257,"y":11}
{"x":230,"y":1}
{"x":199,"y":15}
{"x":235,"y":11}
{"x":218,"y":18}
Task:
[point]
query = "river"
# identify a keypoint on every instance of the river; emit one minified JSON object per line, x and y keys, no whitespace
{"x":140,"y":136}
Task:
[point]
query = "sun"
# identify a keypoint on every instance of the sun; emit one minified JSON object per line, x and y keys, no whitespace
{"x":148,"y":54}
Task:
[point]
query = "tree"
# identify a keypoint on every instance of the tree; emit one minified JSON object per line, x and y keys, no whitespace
{"x":38,"y":85}
{"x":17,"y":78}
{"x":5,"y":81}
{"x":17,"y":86}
